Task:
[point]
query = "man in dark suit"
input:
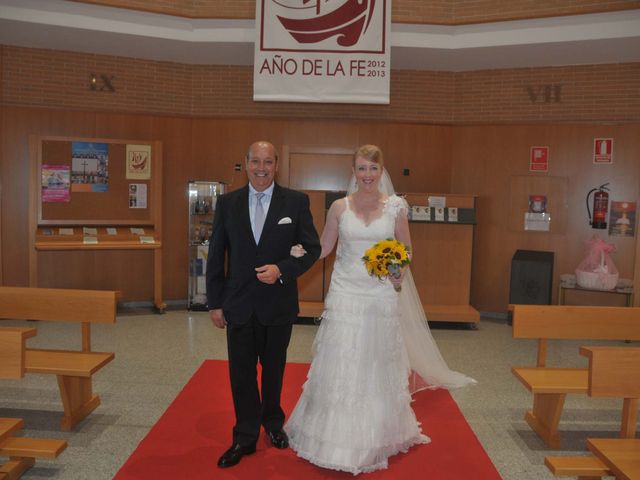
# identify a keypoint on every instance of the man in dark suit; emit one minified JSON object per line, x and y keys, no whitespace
{"x":256,"y":295}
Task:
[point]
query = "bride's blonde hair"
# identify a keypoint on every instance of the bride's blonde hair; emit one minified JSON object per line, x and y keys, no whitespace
{"x":369,"y":152}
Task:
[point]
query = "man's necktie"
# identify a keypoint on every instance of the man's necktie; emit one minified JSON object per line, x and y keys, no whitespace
{"x":258,"y":218}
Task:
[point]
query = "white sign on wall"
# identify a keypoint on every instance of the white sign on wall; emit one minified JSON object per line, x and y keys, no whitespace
{"x":322,"y":51}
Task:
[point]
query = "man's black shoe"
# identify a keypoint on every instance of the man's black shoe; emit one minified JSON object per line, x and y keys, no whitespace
{"x":233,"y":456}
{"x":279,"y":439}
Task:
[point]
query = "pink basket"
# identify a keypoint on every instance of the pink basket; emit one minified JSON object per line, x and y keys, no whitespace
{"x":599,"y":280}
{"x":596,"y":281}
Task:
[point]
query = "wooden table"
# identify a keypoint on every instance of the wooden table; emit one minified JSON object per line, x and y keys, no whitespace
{"x":620,"y":455}
{"x":628,"y":294}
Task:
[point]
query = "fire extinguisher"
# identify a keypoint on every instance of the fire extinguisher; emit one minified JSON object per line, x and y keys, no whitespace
{"x":600,"y":206}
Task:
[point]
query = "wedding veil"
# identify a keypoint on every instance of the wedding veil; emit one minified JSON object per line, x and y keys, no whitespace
{"x":429,"y":370}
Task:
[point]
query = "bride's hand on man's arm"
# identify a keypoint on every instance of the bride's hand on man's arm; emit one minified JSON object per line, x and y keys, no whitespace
{"x":297,"y":251}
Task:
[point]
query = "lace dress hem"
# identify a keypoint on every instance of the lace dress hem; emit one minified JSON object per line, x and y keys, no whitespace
{"x":381,"y":462}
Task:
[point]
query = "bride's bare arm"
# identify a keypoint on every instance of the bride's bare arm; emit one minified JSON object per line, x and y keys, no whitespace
{"x":402,"y":233}
{"x":402,"y":229}
{"x":330,"y":233}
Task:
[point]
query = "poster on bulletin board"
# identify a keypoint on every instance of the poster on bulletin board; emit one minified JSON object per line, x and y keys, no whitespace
{"x":89,"y":167}
{"x":138,"y":160}
{"x":56,"y":183}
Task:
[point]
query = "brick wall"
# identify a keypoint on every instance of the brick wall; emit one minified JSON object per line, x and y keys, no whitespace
{"x":415,"y":97}
{"x":551,"y":94}
{"x":37,"y":77}
{"x":404,"y":11}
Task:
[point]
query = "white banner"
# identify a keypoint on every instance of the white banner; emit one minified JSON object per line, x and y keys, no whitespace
{"x":322,"y":51}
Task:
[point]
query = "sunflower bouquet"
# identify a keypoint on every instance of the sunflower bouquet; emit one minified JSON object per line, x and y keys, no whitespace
{"x":386,"y":258}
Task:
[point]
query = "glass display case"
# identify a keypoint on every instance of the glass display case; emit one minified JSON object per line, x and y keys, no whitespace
{"x":202,"y":205}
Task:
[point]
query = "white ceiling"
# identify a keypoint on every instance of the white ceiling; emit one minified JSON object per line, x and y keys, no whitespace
{"x":570,"y":40}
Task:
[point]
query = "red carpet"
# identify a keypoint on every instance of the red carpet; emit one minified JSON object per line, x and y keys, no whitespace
{"x":196,"y":429}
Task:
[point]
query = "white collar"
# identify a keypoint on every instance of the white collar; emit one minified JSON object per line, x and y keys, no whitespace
{"x":267,"y":191}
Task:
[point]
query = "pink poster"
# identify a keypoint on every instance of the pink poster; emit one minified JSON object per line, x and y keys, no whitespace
{"x":56,"y":180}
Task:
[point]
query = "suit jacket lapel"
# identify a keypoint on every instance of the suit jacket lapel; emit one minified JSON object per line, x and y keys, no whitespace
{"x":241,"y":210}
{"x":277,"y":202}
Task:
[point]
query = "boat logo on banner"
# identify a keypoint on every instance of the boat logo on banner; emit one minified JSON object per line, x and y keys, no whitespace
{"x":322,"y":51}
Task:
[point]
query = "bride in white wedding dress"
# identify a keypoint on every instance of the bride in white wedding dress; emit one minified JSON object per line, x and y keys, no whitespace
{"x":354,"y":412}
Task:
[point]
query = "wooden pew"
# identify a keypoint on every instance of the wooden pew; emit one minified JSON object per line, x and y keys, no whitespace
{"x":13,"y":350}
{"x":73,"y":368}
{"x":22,"y":452}
{"x":613,"y":372}
{"x":550,"y":386}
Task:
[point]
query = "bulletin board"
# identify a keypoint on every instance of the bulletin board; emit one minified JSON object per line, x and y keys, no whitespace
{"x":108,"y":207}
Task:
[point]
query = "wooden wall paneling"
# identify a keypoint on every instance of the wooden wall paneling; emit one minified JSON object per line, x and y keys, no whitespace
{"x":327,"y":133}
{"x":18,"y":123}
{"x":126,"y":125}
{"x":329,"y":172}
{"x":35,"y":210}
{"x":442,"y":260}
{"x":423,"y":149}
{"x":441,"y":264}
{"x":126,"y":271}
{"x":157,"y":216}
{"x":311,"y":283}
{"x":484,"y":159}
{"x":312,"y":167}
{"x":219,"y":144}
{"x":178,"y":169}
{"x":1,"y":282}
{"x":1,"y":153}
{"x":636,"y":270}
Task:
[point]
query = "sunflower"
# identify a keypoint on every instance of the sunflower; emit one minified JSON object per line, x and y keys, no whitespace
{"x":384,"y":253}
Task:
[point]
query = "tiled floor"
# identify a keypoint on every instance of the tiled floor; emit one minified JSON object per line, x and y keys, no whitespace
{"x":157,"y":354}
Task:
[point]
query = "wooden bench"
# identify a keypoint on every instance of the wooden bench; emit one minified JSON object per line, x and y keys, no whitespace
{"x":22,"y":452}
{"x":73,"y":368}
{"x":550,"y":386}
{"x":584,"y":467}
{"x":13,"y":346}
{"x":613,"y":372}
